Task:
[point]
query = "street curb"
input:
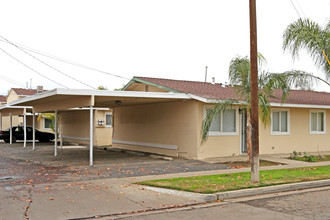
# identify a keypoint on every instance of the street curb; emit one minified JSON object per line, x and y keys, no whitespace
{"x":272,"y":189}
{"x":245,"y":192}
{"x":191,"y":195}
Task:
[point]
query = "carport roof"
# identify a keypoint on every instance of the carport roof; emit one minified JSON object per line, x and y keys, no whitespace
{"x":97,"y":98}
{"x":15,"y":110}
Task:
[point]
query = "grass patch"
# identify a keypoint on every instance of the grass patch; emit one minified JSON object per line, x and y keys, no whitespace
{"x":242,"y":164}
{"x":235,"y":181}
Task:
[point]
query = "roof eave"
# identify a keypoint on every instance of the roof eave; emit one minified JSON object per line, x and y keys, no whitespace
{"x":138,"y":80}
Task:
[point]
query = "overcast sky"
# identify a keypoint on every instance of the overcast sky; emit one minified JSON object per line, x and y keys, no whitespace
{"x":155,"y":38}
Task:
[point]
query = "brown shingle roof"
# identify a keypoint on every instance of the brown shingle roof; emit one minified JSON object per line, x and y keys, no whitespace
{"x":3,"y":98}
{"x":20,"y":91}
{"x":217,"y":91}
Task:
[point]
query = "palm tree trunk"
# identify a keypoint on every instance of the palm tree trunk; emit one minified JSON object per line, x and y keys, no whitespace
{"x":249,"y":135}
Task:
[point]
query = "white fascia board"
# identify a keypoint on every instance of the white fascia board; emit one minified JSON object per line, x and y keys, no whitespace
{"x":285,"y":105}
{"x":133,"y":94}
{"x":211,"y":101}
{"x":14,"y":107}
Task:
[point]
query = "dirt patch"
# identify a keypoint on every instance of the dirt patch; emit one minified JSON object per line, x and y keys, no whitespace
{"x":242,"y":164}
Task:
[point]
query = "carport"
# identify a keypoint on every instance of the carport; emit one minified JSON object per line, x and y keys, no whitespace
{"x":63,"y":99}
{"x":9,"y":110}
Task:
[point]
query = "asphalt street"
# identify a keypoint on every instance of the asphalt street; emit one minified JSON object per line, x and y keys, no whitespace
{"x":312,"y":204}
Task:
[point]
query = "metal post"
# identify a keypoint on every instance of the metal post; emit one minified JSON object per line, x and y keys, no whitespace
{"x":55,"y":144}
{"x":0,"y":121}
{"x":24,"y":122}
{"x":11,"y":128}
{"x":254,"y":93}
{"x":33,"y":131}
{"x":60,"y":133}
{"x":205,"y":74}
{"x":91,"y":126}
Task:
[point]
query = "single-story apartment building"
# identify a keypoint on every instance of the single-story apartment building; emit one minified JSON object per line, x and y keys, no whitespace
{"x":174,"y":128}
{"x":165,"y":116}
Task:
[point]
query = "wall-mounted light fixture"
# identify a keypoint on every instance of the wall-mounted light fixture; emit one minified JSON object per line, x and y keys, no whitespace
{"x":118,"y":102}
{"x":100,"y":122}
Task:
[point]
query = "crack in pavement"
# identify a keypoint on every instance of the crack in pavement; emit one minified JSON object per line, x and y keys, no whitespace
{"x":29,"y":204}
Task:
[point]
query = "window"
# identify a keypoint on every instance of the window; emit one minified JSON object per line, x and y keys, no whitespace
{"x":224,"y":123}
{"x":317,"y":122}
{"x":108,"y":119}
{"x":47,"y":123}
{"x":280,"y":122}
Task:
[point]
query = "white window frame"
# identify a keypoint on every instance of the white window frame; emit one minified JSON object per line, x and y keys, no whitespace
{"x":44,"y":124}
{"x":288,"y":120}
{"x":221,"y":133}
{"x":105,"y":120}
{"x":324,"y":121}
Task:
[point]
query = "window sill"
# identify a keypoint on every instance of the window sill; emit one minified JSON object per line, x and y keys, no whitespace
{"x":223,"y":134}
{"x":317,"y":132}
{"x":280,"y":133}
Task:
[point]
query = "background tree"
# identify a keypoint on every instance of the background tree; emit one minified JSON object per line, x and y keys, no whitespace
{"x":102,"y":88}
{"x":306,"y":34}
{"x":239,"y":77}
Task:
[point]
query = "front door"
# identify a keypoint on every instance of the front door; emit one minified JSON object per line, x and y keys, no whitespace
{"x":243,"y":132}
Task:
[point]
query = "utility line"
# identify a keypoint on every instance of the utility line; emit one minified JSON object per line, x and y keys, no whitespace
{"x":67,"y":61}
{"x":32,"y":69}
{"x":300,"y":8}
{"x":46,"y":63}
{"x":295,"y":8}
{"x":12,"y":81}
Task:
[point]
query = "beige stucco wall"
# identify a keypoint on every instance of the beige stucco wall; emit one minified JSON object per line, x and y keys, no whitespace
{"x":76,"y":124}
{"x":143,"y":87}
{"x":172,"y":123}
{"x":217,"y":146}
{"x":299,"y":138}
{"x":6,"y":121}
{"x":12,"y":96}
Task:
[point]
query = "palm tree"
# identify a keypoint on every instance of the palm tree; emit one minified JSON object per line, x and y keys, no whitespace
{"x":268,"y":83}
{"x":50,"y":116}
{"x":306,"y":34}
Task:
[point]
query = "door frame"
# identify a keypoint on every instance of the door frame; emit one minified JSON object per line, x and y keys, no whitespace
{"x":243,"y":123}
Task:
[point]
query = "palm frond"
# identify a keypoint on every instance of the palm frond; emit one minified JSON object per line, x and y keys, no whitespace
{"x":264,"y":108}
{"x":217,"y":108}
{"x":306,"y":34}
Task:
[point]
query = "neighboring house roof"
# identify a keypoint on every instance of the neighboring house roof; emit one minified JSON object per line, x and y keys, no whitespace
{"x":221,"y":92}
{"x":3,"y":98}
{"x":20,"y":91}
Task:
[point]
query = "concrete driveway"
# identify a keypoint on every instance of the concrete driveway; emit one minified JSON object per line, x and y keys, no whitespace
{"x":71,"y":164}
{"x":37,"y":185}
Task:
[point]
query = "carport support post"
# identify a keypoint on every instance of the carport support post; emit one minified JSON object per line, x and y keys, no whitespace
{"x":33,"y":131}
{"x":24,"y":122}
{"x":11,"y":128}
{"x":55,"y":144}
{"x":91,"y":125}
{"x":0,"y":121}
